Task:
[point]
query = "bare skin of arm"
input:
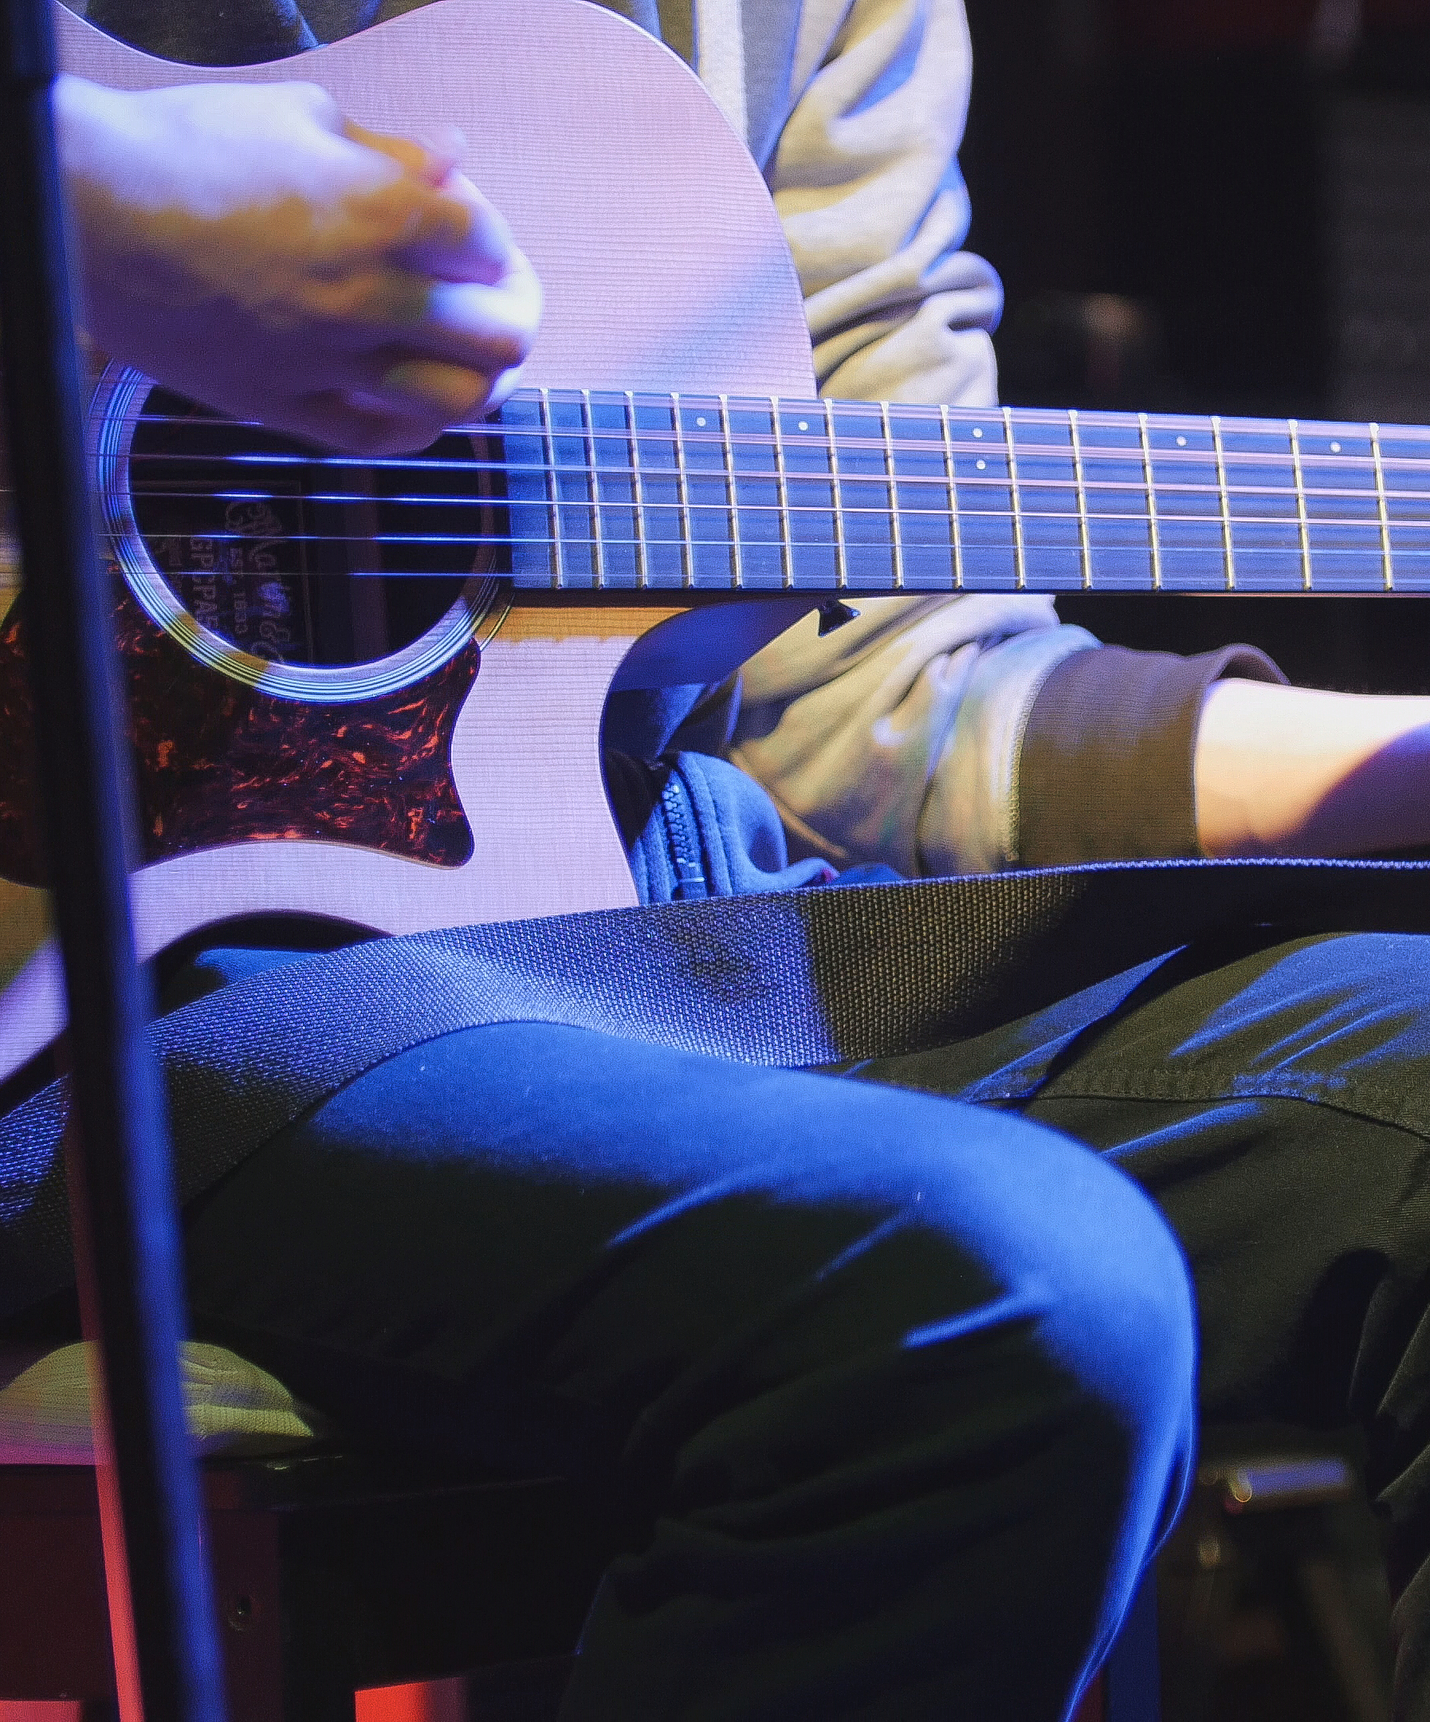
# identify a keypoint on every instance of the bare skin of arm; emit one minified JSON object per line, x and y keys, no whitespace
{"x":247,"y":246}
{"x":1299,"y":771}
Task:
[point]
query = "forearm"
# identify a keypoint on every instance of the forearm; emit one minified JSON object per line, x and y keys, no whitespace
{"x":1299,"y":771}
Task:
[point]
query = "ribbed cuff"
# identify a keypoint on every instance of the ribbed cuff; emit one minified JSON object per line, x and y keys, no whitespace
{"x":1105,"y":771}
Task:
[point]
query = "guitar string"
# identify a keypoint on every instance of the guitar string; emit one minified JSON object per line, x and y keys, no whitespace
{"x":1319,"y":499}
{"x":1137,"y":541}
{"x":1135,"y":536}
{"x":657,"y":506}
{"x":921,"y":481}
{"x":1023,"y":489}
{"x":694,"y":407}
{"x":655,"y":509}
{"x":1245,"y":460}
{"x":875,"y":444}
{"x":585,"y":470}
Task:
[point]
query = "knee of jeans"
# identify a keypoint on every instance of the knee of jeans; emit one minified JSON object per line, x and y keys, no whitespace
{"x":1126,"y":1319}
{"x":1121,"y":1320}
{"x":1075,"y":1240}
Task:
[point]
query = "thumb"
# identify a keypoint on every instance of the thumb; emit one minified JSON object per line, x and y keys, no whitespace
{"x":430,"y":156}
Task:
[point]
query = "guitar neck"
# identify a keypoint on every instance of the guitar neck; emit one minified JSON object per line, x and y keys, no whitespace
{"x":631,"y":491}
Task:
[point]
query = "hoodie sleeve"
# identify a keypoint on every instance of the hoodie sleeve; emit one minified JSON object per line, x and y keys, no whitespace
{"x":897,"y":737}
{"x":866,"y":180}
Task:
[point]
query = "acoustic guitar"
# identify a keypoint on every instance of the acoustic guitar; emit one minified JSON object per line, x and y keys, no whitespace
{"x":370,"y":692}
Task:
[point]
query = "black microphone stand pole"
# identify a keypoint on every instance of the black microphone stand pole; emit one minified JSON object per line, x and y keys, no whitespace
{"x":121,"y":1178}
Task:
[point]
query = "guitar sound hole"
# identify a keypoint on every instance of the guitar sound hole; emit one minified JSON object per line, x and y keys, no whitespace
{"x":303,"y":559}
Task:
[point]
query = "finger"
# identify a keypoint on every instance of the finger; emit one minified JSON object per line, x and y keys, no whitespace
{"x":444,"y":143}
{"x":414,"y":156}
{"x":356,"y":424}
{"x":426,"y":385}
{"x":450,"y":232}
{"x":362,"y":306}
{"x":430,"y":154}
{"x":394,"y":379}
{"x":395,"y":316}
{"x":502,"y":389}
{"x":499,"y":322}
{"x":391,"y":219}
{"x":482,"y":249}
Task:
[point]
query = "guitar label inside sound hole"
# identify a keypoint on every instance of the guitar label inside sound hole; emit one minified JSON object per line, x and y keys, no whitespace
{"x":303,"y":558}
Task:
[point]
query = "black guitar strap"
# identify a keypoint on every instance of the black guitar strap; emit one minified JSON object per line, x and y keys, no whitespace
{"x":799,"y":979}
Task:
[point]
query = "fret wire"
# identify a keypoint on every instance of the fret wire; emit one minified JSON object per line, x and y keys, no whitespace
{"x":1303,"y":524}
{"x":737,"y":566}
{"x":637,"y":495}
{"x":955,"y":525}
{"x":1387,"y":566}
{"x":782,"y":494}
{"x":1154,"y":540}
{"x":553,"y":490}
{"x":1228,"y":553}
{"x":891,"y":480}
{"x":598,"y":546}
{"x":841,"y":556}
{"x":1015,"y":500}
{"x":1084,"y":537}
{"x":682,"y":496}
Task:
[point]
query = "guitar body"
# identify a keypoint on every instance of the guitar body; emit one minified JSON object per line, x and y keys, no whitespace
{"x":436,"y":787}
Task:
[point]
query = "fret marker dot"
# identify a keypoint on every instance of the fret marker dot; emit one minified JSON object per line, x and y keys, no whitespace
{"x":1181,"y":442}
{"x":701,"y":423}
{"x":980,"y":464}
{"x":1335,"y":448}
{"x":976,"y":431}
{"x":804,"y":424}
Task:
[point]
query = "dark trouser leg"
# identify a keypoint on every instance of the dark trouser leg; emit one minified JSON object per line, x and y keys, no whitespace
{"x":1278,"y":1108}
{"x":893,"y":1394}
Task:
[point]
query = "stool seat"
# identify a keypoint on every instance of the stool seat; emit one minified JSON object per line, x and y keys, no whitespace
{"x":231,"y":1406}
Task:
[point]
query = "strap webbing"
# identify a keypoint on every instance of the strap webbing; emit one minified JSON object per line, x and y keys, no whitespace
{"x":800,"y":978}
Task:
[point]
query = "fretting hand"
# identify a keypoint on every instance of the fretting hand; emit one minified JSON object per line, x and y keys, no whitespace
{"x":243,"y":245}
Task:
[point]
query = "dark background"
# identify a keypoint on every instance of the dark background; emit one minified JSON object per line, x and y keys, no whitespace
{"x":1215,"y":206}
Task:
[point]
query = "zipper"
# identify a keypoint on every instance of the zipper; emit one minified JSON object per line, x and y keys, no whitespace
{"x":683,"y":833}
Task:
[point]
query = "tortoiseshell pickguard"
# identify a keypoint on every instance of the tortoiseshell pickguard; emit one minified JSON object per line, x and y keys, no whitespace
{"x":219,"y":762}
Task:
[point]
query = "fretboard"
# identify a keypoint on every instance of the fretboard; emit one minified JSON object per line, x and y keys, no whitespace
{"x":631,"y":491}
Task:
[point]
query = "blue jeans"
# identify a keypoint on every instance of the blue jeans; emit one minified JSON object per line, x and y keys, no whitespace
{"x":886,"y":1399}
{"x":887,"y":1393}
